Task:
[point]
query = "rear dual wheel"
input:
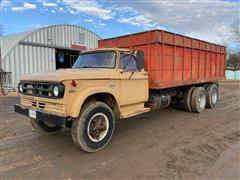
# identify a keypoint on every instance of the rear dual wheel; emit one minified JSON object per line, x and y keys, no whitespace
{"x":187,"y":99}
{"x":196,"y":99}
{"x":212,"y":95}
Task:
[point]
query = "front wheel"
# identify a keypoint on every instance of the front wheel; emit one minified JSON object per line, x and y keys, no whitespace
{"x":93,"y":129}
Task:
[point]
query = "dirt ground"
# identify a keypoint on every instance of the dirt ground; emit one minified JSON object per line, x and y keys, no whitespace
{"x":165,"y":144}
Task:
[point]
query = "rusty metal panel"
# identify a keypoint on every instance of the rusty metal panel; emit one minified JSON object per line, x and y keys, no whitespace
{"x":202,"y":45}
{"x":195,"y":44}
{"x":187,"y":42}
{"x":187,"y":65}
{"x":208,"y":64}
{"x":168,"y":38}
{"x":202,"y":62}
{"x":174,"y":60}
{"x":213,"y":65}
{"x":178,"y":40}
{"x":122,"y":42}
{"x":178,"y":64}
{"x":138,"y":38}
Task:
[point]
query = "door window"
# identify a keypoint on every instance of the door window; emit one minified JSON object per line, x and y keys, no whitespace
{"x":127,"y":62}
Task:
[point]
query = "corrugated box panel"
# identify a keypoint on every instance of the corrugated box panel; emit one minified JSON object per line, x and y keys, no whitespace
{"x":174,"y":60}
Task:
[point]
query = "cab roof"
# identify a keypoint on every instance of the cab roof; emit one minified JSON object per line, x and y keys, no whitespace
{"x":106,"y":49}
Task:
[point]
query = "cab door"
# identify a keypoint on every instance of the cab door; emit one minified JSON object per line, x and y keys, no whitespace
{"x":133,"y":83}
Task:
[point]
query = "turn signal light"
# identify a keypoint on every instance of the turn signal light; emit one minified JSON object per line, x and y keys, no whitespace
{"x":73,"y":83}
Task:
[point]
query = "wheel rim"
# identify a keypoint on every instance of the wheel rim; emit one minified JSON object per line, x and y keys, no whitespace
{"x":214,"y":96}
{"x":98,"y":127}
{"x":202,"y":100}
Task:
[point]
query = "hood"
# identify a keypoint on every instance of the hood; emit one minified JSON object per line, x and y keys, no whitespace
{"x":69,"y":74}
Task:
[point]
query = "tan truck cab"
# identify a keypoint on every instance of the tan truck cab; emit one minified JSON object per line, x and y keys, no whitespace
{"x":103,"y":85}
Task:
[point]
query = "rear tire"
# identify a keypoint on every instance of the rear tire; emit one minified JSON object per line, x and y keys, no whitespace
{"x":93,"y":129}
{"x":198,"y":99}
{"x":212,"y":95}
{"x":187,"y":99}
{"x":44,"y":128}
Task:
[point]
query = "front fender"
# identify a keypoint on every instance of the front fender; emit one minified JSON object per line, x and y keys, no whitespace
{"x":83,"y":95}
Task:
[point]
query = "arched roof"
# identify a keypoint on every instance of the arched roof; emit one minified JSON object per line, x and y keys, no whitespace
{"x":10,"y":41}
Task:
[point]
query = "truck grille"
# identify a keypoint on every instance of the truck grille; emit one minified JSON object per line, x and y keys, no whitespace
{"x":37,"y":89}
{"x":46,"y":106}
{"x":38,"y":105}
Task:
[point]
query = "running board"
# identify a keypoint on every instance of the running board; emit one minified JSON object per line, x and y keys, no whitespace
{"x":133,"y":110}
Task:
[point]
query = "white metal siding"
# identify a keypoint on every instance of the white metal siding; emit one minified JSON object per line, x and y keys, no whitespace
{"x":26,"y":59}
{"x":29,"y":60}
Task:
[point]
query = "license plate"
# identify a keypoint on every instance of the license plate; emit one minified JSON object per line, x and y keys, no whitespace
{"x":32,"y":114}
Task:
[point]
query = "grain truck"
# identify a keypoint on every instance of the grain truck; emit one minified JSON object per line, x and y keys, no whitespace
{"x":124,"y":77}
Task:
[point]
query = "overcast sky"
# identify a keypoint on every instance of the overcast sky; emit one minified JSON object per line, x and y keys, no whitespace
{"x":205,"y":19}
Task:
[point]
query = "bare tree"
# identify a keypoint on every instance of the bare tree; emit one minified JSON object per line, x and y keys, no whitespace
{"x":233,"y":62}
{"x":236,"y":30}
{"x":233,"y":59}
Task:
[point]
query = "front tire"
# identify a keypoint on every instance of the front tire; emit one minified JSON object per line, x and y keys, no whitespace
{"x":44,"y":128}
{"x":93,"y":129}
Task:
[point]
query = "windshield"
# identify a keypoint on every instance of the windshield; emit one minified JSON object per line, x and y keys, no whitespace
{"x":96,"y":60}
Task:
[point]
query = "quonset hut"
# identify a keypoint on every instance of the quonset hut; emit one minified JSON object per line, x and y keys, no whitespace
{"x":44,"y":49}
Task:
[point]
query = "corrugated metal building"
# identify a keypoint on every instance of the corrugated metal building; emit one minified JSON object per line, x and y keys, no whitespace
{"x":44,"y":49}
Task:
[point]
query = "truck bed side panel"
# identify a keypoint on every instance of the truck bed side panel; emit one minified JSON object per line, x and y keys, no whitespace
{"x":174,"y":60}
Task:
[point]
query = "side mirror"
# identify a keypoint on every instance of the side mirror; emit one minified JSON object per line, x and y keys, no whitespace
{"x":140,"y":60}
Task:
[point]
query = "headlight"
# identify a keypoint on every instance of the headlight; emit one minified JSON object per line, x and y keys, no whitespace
{"x":20,"y":87}
{"x":56,"y":91}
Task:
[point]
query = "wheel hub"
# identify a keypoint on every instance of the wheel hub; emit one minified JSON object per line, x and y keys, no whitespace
{"x":214,"y":96}
{"x":98,"y":127}
{"x":202,"y":100}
